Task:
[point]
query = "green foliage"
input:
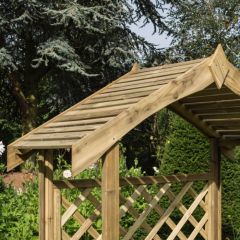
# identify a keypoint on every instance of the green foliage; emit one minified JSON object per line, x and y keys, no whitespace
{"x":231,"y":197}
{"x":217,"y":22}
{"x":19,"y":212}
{"x":186,"y":150}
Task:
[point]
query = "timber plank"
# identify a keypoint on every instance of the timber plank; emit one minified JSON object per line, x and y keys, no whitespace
{"x":151,"y":88}
{"x":107,"y":104}
{"x":170,"y":65}
{"x":110,"y":194}
{"x":209,"y":98}
{"x":200,"y":112}
{"x":57,"y":136}
{"x":67,"y":129}
{"x":121,"y":97}
{"x":103,"y":108}
{"x":76,"y":115}
{"x":139,"y":86}
{"x":135,"y":181}
{"x":46,"y":144}
{"x":84,"y":122}
{"x":145,"y":81}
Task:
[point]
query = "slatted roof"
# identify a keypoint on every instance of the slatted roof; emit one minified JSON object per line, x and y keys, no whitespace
{"x":204,"y":91}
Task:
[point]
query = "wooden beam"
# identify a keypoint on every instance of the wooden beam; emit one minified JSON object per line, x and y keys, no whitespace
{"x":49,"y":205}
{"x":57,"y":214}
{"x":135,"y":181}
{"x":196,"y":79}
{"x":214,"y":201}
{"x":110,"y":194}
{"x":219,"y":66}
{"x":41,"y":188}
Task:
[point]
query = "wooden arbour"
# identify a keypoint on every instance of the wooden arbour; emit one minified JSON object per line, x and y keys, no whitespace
{"x":205,"y":92}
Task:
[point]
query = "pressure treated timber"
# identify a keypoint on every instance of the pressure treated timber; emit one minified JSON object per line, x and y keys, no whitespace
{"x":108,"y":104}
{"x":49,"y":204}
{"x":158,"y":80}
{"x":41,"y":189}
{"x":57,"y":214}
{"x":136,"y":181}
{"x":191,"y":62}
{"x":84,"y":122}
{"x":214,"y":201}
{"x":68,"y":129}
{"x":110,"y":194}
{"x":169,"y":210}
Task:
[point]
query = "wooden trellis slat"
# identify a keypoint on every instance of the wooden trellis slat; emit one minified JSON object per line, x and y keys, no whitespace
{"x":183,"y":210}
{"x":160,"y":212}
{"x":199,"y":227}
{"x":188,"y":214}
{"x":145,"y":213}
{"x":69,"y":212}
{"x":132,"y":211}
{"x":168,"y":212}
{"x":80,"y":219}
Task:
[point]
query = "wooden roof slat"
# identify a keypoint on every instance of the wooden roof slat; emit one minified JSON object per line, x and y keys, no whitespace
{"x":227,"y":131}
{"x":139,"y":86}
{"x":216,"y":110}
{"x":163,"y":70}
{"x":207,"y":117}
{"x":83,"y":122}
{"x":108,"y":104}
{"x":121,"y":97}
{"x":209,"y":98}
{"x":135,"y":90}
{"x":150,"y":80}
{"x":46,"y":144}
{"x":68,"y":129}
{"x":170,"y":65}
{"x":223,"y":122}
{"x":101,"y":109}
{"x":57,"y":136}
{"x":134,"y":77}
{"x":76,"y":115}
{"x":212,"y":104}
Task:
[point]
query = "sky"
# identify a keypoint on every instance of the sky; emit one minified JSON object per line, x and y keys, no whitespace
{"x":162,"y":41}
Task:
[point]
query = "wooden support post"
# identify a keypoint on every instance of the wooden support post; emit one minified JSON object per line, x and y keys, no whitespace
{"x":110,"y":194}
{"x":49,"y":195}
{"x":57,"y":214}
{"x":214,"y":200}
{"x":41,"y":187}
{"x":46,"y":204}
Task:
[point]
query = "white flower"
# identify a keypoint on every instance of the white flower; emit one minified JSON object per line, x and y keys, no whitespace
{"x":93,"y":166}
{"x":155,"y":169}
{"x":67,"y":173}
{"x":2,"y":148}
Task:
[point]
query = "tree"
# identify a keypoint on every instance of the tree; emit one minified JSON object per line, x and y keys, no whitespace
{"x":198,"y":26}
{"x":54,"y":53}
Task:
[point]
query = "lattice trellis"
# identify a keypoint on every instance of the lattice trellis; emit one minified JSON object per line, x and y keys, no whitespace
{"x":161,"y":210}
